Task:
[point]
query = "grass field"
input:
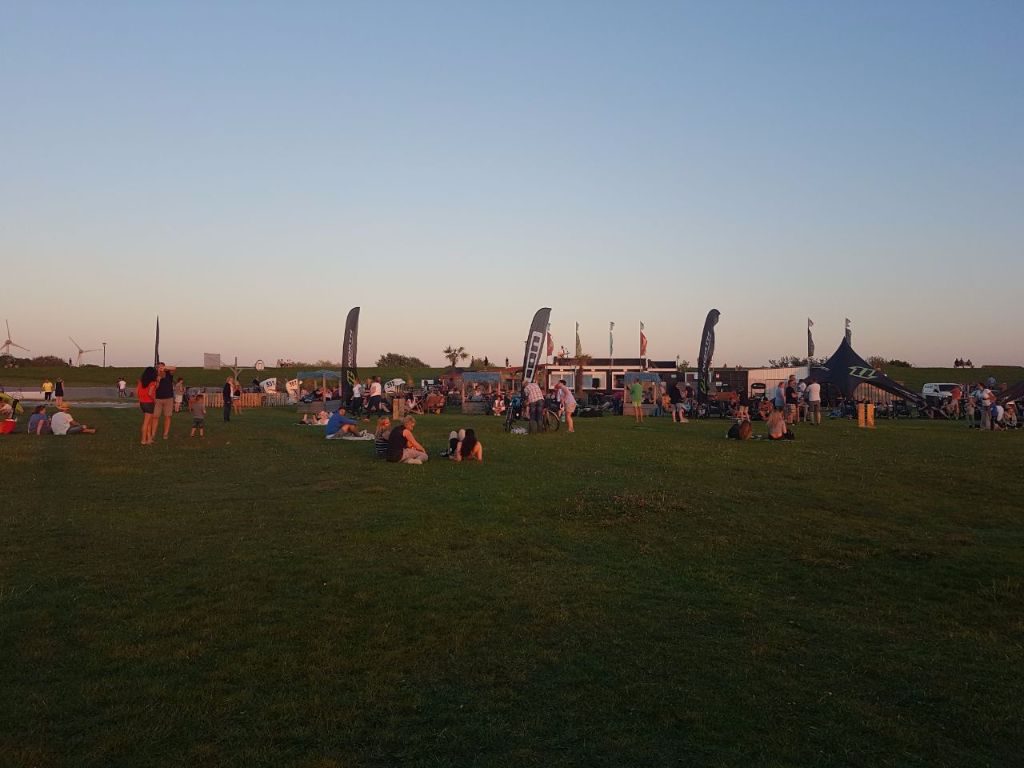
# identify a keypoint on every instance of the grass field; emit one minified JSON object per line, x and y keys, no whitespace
{"x":623,"y":596}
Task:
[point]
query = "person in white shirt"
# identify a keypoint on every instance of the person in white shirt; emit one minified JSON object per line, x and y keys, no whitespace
{"x":567,"y":401}
{"x":356,"y":404}
{"x":375,"y":391}
{"x":62,"y":423}
{"x":814,"y":402}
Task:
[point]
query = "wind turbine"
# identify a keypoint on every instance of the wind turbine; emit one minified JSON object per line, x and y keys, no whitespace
{"x":81,"y":352}
{"x":6,"y":346}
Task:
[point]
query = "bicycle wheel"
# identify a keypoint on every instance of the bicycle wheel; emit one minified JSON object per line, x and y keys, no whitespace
{"x":551,"y":422}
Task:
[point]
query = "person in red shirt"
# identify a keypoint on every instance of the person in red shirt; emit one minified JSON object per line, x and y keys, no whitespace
{"x":145,"y":391}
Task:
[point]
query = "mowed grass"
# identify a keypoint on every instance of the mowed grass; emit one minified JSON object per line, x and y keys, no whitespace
{"x":622,"y":596}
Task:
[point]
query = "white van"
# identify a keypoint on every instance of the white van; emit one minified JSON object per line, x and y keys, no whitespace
{"x":939,"y":393}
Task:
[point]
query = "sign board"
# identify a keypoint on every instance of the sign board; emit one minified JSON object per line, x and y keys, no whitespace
{"x":259,"y":365}
{"x":211,"y":361}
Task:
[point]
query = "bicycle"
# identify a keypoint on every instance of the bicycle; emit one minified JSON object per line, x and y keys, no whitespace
{"x":550,"y":421}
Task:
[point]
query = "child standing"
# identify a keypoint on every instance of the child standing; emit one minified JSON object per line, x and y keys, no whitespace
{"x":197,"y":407}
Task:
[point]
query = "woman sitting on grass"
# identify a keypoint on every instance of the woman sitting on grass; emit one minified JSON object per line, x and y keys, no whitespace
{"x":469,"y":448}
{"x":403,"y":446}
{"x":777,"y":427}
{"x":38,"y":423}
{"x":380,"y":437}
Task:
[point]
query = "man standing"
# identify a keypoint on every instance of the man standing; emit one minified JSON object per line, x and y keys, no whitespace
{"x":164,"y":396}
{"x":47,"y":389}
{"x":357,"y":398}
{"x":227,"y":393}
{"x":636,"y":396}
{"x":122,"y":387}
{"x":814,"y":402}
{"x":375,"y":392}
{"x":568,"y":402}
{"x":534,"y":400}
{"x":985,"y":399}
{"x":792,"y":399}
{"x":675,"y":399}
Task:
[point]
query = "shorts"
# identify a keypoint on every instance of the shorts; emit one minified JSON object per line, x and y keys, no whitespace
{"x":679,"y":407}
{"x":637,"y":403}
{"x":178,"y":399}
{"x":164,"y":406}
{"x":147,"y":407}
{"x":198,"y":423}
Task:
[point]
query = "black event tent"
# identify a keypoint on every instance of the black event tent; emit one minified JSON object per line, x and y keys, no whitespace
{"x":1016,"y":392}
{"x":846,"y":370}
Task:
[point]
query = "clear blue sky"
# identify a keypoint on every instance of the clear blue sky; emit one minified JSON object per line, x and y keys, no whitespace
{"x":250,"y":171}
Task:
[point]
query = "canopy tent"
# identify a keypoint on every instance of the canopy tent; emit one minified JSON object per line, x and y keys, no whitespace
{"x":846,"y":370}
{"x":491,"y":379}
{"x":1016,"y":392}
{"x":322,"y":374}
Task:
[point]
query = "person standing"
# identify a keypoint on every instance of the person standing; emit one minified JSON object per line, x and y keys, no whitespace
{"x":179,"y":394}
{"x":792,"y":399}
{"x":197,"y":407}
{"x":122,"y":388}
{"x":779,"y":400}
{"x":145,"y":393}
{"x":228,"y":393}
{"x":636,"y":396}
{"x":47,"y":389}
{"x":985,"y":401}
{"x":375,"y":394}
{"x":355,"y":405}
{"x":814,"y":402}
{"x":58,"y":391}
{"x":164,"y":397}
{"x":567,"y":401}
{"x":534,"y":400}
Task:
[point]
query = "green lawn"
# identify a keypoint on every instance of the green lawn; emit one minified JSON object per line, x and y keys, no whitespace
{"x":623,"y":596}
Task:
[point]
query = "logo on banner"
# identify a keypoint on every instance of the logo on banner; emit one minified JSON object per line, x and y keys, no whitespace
{"x":861,"y":372}
{"x":533,"y":348}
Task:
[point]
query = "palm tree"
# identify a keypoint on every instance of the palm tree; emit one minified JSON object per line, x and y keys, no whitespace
{"x":454,"y":354}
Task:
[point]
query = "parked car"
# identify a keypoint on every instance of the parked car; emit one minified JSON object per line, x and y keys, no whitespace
{"x":938,"y":393}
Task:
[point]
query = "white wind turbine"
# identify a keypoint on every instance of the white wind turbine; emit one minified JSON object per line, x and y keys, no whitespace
{"x":81,"y":352}
{"x":6,"y":346}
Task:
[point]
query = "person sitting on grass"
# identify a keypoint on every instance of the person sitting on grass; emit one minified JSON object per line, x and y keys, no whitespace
{"x":380,"y":437}
{"x":403,"y":447}
{"x":741,"y":430}
{"x":7,"y":421}
{"x":434,"y":403}
{"x":1011,"y":415}
{"x":63,"y":423}
{"x":468,"y":448}
{"x":498,"y":406}
{"x":38,"y":423}
{"x":341,"y":426}
{"x":777,"y":427}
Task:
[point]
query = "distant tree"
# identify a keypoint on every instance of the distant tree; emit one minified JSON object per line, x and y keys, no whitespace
{"x":876,"y":362}
{"x":581,"y":360}
{"x":787,"y":361}
{"x":395,"y":360}
{"x":684,"y":365}
{"x":454,"y":354}
{"x":477,"y":362}
{"x":327,"y":364}
{"x":900,"y":363}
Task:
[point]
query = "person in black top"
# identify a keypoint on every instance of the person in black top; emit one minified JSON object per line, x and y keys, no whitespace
{"x":228,"y":392}
{"x":164,"y":396}
{"x":792,"y":399}
{"x":58,"y":391}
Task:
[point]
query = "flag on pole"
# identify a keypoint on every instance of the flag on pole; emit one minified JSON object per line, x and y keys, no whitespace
{"x":849,"y":333}
{"x":643,"y":341}
{"x":579,"y":347}
{"x":611,"y":340}
{"x":810,"y":340}
{"x":551,"y":343}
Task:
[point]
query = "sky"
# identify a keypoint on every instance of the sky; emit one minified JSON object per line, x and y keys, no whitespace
{"x":249,"y":171}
